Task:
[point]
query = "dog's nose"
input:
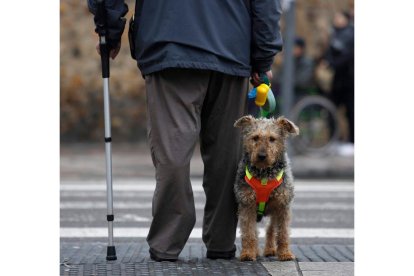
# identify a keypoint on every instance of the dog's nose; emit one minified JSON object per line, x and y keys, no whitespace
{"x":262,"y":156}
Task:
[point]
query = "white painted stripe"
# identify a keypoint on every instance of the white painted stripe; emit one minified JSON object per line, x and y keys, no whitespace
{"x":328,"y":206}
{"x":198,"y":206}
{"x":324,"y":188}
{"x":328,"y":195}
{"x":195,"y":181}
{"x":197,"y":188}
{"x":102,"y":187}
{"x":122,"y":194}
{"x":119,"y":218}
{"x":141,"y":232}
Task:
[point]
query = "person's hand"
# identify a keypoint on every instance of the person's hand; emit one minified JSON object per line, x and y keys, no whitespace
{"x":256,"y":81}
{"x":113,"y":52}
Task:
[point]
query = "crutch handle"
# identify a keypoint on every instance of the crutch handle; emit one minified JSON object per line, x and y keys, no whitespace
{"x":100,"y":18}
{"x":101,"y":29}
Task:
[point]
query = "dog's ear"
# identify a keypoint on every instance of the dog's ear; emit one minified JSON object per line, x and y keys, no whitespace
{"x":287,"y":126}
{"x":244,"y":121}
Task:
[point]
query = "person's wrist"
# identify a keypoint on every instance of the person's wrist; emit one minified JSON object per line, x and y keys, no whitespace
{"x":261,"y":66}
{"x":113,"y":43}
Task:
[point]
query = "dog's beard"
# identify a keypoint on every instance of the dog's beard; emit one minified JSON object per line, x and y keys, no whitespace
{"x":268,"y":172}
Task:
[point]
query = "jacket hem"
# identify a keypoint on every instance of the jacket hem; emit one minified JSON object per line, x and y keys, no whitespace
{"x":148,"y":69}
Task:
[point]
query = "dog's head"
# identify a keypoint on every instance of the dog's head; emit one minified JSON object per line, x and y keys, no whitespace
{"x":264,"y":139}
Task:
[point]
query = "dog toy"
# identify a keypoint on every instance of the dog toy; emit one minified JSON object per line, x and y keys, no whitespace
{"x":263,"y":96}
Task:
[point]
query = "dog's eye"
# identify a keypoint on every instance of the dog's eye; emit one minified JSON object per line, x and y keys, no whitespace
{"x":272,"y":139}
{"x":255,"y":138}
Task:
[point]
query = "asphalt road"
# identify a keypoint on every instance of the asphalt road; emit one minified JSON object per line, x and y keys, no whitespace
{"x":323,"y":210}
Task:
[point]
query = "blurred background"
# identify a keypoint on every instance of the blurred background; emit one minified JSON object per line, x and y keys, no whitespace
{"x":81,"y":116}
{"x":313,"y":86}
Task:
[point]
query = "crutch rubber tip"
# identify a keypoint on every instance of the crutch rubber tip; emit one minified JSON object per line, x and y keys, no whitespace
{"x":111,"y":253}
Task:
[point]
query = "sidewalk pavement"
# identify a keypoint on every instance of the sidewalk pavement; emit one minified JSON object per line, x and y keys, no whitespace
{"x":78,"y":161}
{"x":133,"y":259}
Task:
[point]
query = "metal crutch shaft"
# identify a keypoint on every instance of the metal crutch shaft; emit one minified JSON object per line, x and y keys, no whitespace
{"x":104,"y":49}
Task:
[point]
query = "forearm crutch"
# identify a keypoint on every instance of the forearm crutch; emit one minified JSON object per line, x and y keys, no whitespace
{"x":101,"y":28}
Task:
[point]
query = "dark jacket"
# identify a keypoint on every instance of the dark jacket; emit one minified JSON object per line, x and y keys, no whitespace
{"x":341,"y":50}
{"x":230,"y":36}
{"x":304,"y":71}
{"x":341,"y":58}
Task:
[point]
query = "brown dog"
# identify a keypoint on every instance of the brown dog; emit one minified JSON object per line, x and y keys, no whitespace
{"x":266,"y":165}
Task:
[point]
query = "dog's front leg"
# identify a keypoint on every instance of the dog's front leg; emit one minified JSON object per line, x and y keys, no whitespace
{"x":270,"y":246}
{"x":283,"y":251}
{"x":247,"y":218}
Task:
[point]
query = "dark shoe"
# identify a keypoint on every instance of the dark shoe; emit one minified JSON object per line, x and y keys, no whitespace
{"x":158,"y":259}
{"x":221,"y":254}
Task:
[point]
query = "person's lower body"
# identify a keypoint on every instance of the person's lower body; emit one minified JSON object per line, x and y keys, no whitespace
{"x":184,"y":104}
{"x":343,"y":94}
{"x":350,"y":111}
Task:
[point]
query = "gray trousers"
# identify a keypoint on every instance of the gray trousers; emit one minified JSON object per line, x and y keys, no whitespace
{"x":183,"y":105}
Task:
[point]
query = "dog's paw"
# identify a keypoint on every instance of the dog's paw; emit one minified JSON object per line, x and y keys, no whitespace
{"x":285,"y":256}
{"x":247,"y":256}
{"x":268,"y":252}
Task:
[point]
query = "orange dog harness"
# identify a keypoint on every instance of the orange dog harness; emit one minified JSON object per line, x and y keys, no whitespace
{"x":263,"y":188}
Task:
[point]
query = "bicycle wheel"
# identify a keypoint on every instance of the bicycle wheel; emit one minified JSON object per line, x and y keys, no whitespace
{"x":318,"y":122}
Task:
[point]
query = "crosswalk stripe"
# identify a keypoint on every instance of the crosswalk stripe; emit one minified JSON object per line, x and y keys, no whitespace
{"x":119,"y":217}
{"x":134,"y":194}
{"x":141,"y":232}
{"x":196,"y":188}
{"x":198,"y":206}
{"x":195,"y":181}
